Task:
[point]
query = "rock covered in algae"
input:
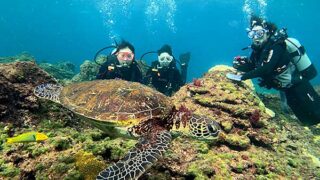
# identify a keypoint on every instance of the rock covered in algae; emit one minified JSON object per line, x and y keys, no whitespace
{"x":24,"y":56}
{"x":253,"y":144}
{"x":61,"y":71}
{"x":88,"y":71}
{"x":234,"y":105}
{"x":17,"y":81}
{"x":69,"y":153}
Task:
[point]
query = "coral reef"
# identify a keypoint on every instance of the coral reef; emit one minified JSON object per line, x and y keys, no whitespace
{"x":253,"y":144}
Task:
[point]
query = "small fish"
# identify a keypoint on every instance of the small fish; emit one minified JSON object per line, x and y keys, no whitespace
{"x":28,"y":137}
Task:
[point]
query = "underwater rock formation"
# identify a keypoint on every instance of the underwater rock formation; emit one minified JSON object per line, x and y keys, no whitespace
{"x":88,"y":72}
{"x":60,"y":71}
{"x":234,"y":105}
{"x":24,"y":56}
{"x":253,"y":143}
{"x":17,"y":80}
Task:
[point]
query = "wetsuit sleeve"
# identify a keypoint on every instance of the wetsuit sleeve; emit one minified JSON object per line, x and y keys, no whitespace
{"x":103,"y":71}
{"x":274,"y":57}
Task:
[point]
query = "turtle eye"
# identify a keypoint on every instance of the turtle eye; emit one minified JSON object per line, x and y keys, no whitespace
{"x":213,"y":128}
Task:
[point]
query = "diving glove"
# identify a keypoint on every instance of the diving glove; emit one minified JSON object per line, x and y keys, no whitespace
{"x":234,"y":77}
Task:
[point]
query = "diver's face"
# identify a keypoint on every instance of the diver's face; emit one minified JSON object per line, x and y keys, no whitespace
{"x":258,"y":35}
{"x":125,"y":56}
{"x":165,"y":59}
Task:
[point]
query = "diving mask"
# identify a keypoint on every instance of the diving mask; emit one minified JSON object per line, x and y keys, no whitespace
{"x":256,"y":34}
{"x":125,"y":56}
{"x":165,"y":59}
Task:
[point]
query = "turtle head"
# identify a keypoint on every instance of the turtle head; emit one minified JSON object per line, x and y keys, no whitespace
{"x":203,"y":127}
{"x":198,"y":126}
{"x":48,"y":91}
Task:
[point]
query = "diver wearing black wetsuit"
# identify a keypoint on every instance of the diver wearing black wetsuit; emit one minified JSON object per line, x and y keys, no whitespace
{"x":112,"y":69}
{"x":163,"y":75}
{"x":165,"y":79}
{"x":121,"y":64}
{"x":271,"y":61}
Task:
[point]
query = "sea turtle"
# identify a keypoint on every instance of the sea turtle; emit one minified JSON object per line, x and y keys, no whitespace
{"x":129,"y":109}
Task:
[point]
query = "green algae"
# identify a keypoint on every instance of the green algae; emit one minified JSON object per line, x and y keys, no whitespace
{"x":227,"y":126}
{"x":238,"y":141}
{"x":39,"y":150}
{"x":66,"y":159}
{"x":198,"y":171}
{"x":115,"y":148}
{"x":8,"y":169}
{"x":40,"y":167}
{"x":61,"y":143}
{"x":61,"y":168}
{"x":74,"y":174}
{"x":211,"y":165}
{"x":292,"y":163}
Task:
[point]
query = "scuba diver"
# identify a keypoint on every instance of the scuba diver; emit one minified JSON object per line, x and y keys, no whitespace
{"x":120,"y":63}
{"x":282,"y":64}
{"x":163,"y":74}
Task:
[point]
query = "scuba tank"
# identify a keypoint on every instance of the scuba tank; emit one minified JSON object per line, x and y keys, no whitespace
{"x":297,"y":53}
{"x":300,"y":59}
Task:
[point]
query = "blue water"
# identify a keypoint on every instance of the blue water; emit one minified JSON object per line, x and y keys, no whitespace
{"x":213,"y":30}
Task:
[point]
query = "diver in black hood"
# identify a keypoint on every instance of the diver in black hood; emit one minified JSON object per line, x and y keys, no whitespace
{"x":282,"y":64}
{"x":120,"y":64}
{"x":164,"y":75}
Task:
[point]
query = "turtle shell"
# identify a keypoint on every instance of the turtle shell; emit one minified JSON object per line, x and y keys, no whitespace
{"x":119,"y":102}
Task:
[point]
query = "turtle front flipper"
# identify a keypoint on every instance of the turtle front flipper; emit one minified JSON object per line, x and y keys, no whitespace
{"x":48,"y":91}
{"x":149,"y":149}
{"x":203,"y":127}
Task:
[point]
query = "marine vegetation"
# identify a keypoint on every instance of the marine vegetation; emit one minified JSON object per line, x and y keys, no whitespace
{"x":278,"y":147}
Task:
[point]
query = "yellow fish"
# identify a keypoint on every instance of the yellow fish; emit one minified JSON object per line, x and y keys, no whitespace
{"x":28,"y":137}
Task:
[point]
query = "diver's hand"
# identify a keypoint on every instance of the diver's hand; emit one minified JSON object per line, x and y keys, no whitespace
{"x":234,"y":77}
{"x":239,"y":61}
{"x":184,"y":58}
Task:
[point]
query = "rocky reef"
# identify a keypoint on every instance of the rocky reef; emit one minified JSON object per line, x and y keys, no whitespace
{"x":24,"y":56}
{"x":88,"y":71}
{"x":255,"y":143}
{"x":60,"y":71}
{"x":17,"y":81}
